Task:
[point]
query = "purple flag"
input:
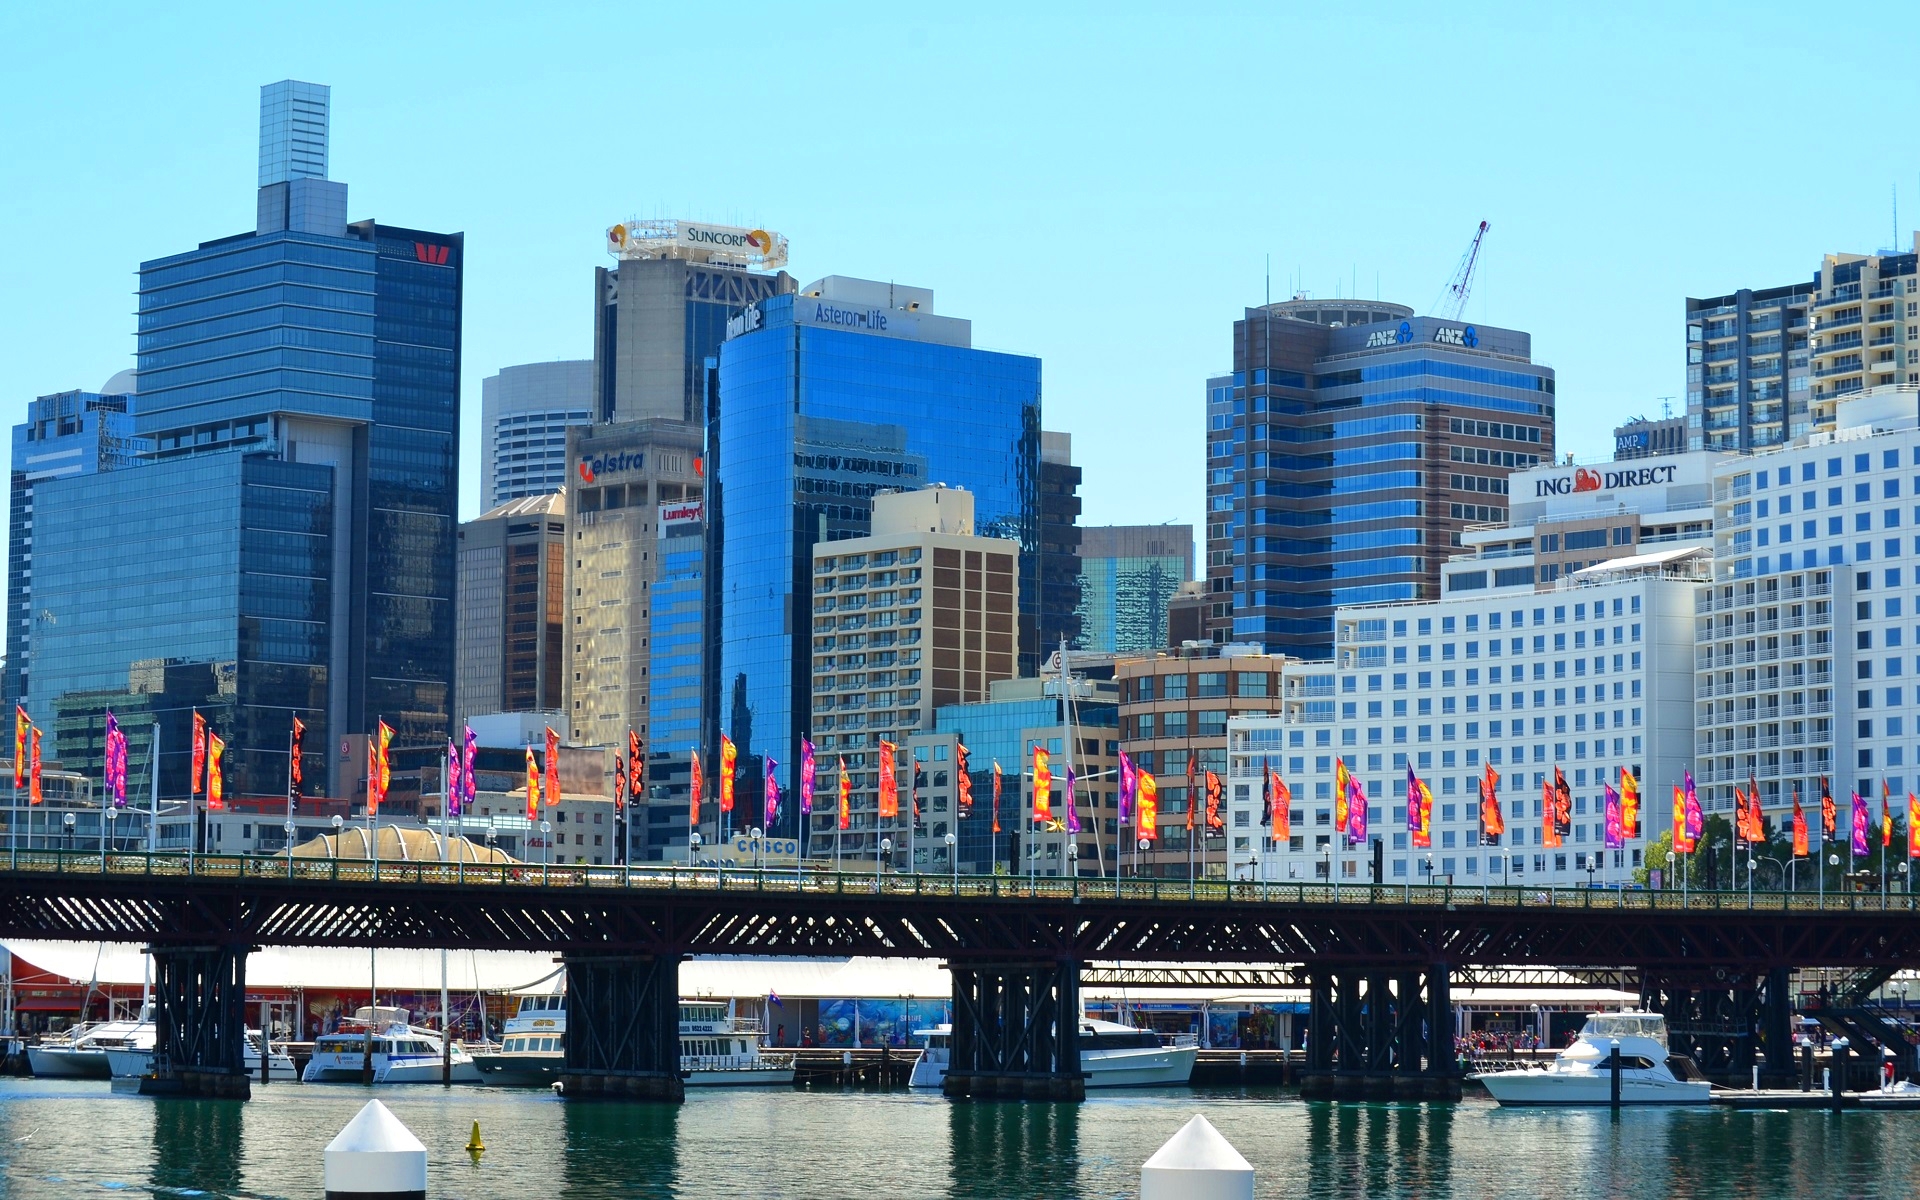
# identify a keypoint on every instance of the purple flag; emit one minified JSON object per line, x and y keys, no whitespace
{"x":1356,"y":812}
{"x":1073,"y":813}
{"x":467,"y":784}
{"x":773,"y":794}
{"x":806,"y":776}
{"x":453,"y":779}
{"x":1859,"y":825}
{"x":1129,"y":780}
{"x":1616,"y":825}
{"x":116,"y":761}
{"x":1696,"y":820}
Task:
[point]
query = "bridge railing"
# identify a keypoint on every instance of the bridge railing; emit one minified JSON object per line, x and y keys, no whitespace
{"x":933,"y":884}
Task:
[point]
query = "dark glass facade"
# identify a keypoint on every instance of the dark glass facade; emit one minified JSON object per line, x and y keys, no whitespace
{"x":811,"y":421}
{"x":1058,"y":611}
{"x":1346,"y":453}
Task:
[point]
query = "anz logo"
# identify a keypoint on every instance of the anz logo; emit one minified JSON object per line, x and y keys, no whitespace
{"x":1390,"y":337}
{"x":1464,"y":335}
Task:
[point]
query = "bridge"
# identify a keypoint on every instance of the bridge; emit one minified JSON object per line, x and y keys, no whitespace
{"x":1376,"y":960}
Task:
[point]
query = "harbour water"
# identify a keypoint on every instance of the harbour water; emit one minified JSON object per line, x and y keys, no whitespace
{"x":60,"y":1139}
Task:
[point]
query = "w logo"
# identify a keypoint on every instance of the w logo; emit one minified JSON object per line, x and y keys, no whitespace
{"x":436,"y":255}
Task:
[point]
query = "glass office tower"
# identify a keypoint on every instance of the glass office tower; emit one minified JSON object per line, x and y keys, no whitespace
{"x":291,"y":531}
{"x":823,"y":399}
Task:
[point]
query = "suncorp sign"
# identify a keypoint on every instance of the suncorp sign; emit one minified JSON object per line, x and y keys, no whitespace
{"x":1585,"y":479}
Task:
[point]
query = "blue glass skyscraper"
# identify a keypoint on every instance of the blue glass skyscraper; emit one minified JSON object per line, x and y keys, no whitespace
{"x":287,"y":544}
{"x":824,"y":398}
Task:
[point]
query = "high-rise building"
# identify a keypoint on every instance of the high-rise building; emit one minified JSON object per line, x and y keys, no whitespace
{"x":623,"y":475}
{"x":1348,"y":450}
{"x":512,"y":608}
{"x":677,"y":666}
{"x":1748,"y":380}
{"x":65,"y":434}
{"x":662,"y":312}
{"x":524,"y":414}
{"x":919,"y":613}
{"x":1641,"y":438}
{"x":1766,"y":366}
{"x":1058,"y":612}
{"x":291,"y":535}
{"x":1130,"y":574}
{"x":823,"y":400}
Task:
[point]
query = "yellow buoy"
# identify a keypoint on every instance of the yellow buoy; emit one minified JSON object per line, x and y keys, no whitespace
{"x":475,"y":1146}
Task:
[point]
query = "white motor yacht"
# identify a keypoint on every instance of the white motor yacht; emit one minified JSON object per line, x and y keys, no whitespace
{"x":717,"y":1047}
{"x":1111,"y":1055}
{"x":138,"y":1064}
{"x":401,"y":1053}
{"x":532,"y":1045}
{"x":1580,"y":1074}
{"x":82,"y":1052}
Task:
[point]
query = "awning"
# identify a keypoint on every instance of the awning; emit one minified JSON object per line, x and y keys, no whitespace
{"x":1641,"y":562}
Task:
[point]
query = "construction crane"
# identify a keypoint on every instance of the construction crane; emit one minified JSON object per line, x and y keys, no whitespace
{"x":1453,"y":301}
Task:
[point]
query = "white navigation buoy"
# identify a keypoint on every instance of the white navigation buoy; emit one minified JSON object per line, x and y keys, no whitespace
{"x":375,"y":1158}
{"x":1196,"y":1164}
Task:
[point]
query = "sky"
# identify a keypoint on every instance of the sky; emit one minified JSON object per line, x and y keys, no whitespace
{"x":1101,"y":186}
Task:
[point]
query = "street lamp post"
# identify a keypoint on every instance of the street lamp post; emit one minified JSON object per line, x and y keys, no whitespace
{"x":67,"y":822}
{"x":1833,"y":860}
{"x":953,"y":860}
{"x":1144,"y":843}
{"x":106,"y":831}
{"x":880,"y":859}
{"x":759,"y":863}
{"x":338,"y":822}
{"x":288,"y":827}
{"x":546,"y":848}
{"x":1326,"y":860}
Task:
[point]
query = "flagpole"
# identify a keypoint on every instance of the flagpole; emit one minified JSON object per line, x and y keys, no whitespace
{"x":153,"y":790}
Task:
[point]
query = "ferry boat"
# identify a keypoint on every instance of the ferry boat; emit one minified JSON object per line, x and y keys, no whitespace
{"x":1580,"y":1074}
{"x":402,"y":1053}
{"x":138,"y":1064}
{"x":1112,"y":1055}
{"x":82,"y":1053}
{"x":717,"y":1047}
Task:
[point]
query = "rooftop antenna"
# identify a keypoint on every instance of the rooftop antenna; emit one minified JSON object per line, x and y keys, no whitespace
{"x":1666,"y":407}
{"x":1269,"y":278}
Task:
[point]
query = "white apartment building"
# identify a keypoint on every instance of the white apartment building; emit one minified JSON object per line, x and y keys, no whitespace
{"x":1803,"y":663}
{"x":1563,"y":640}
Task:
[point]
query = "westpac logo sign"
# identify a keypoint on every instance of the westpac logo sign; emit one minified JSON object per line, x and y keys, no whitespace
{"x":433,"y":255}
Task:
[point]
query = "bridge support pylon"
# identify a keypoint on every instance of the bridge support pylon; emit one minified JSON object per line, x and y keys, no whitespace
{"x":1728,"y":1022}
{"x":1016,"y":1031}
{"x":199,"y":1014}
{"x":1379,"y":1034}
{"x":623,"y":1028}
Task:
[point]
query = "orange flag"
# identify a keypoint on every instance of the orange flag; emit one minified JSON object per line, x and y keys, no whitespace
{"x":216,"y":775}
{"x":1550,"y":828}
{"x":33,"y":770}
{"x":728,"y":756}
{"x":846,"y":792}
{"x":21,"y":723}
{"x":1282,"y":805}
{"x":695,"y":786}
{"x":553,"y":767}
{"x":1913,"y":826}
{"x":1629,"y":803}
{"x":533,"y":787}
{"x":199,"y":752}
{"x":1147,"y":807}
{"x":1799,"y":827}
{"x":1042,"y":784}
{"x":889,"y":784}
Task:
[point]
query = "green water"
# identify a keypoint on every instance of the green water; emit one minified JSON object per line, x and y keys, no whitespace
{"x":60,"y":1139}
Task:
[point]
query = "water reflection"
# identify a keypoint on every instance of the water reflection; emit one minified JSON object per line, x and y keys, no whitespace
{"x":197,"y":1144}
{"x":1006,"y":1148}
{"x":608,"y":1141}
{"x":1363,"y":1150}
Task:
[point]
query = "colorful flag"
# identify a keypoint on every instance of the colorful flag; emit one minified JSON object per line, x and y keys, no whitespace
{"x":1549,"y":828}
{"x":533,"y":787}
{"x":808,"y":771}
{"x":770,"y":792}
{"x":996,"y":795}
{"x":1886,"y":816}
{"x":1073,"y":810}
{"x":1419,"y":812}
{"x":1756,"y":820}
{"x":1859,"y":830}
{"x":728,"y":757}
{"x":1356,"y":812}
{"x":297,"y":767}
{"x":199,"y":752}
{"x":889,"y":784}
{"x":1682,"y":844}
{"x":1192,"y":761}
{"x":216,"y":775}
{"x":116,"y":762}
{"x":386,"y":760}
{"x":33,"y":769}
{"x":453,"y":780}
{"x":1829,"y":813}
{"x":1148,"y":803}
{"x":1129,"y":786}
{"x":1913,"y":826}
{"x":636,"y":768}
{"x":22,"y":723}
{"x":696,"y":784}
{"x":1282,"y":806}
{"x":1740,"y":828}
{"x":1696,"y":820}
{"x":962,"y":779}
{"x":1493,"y":822}
{"x":1214,"y":820}
{"x":1562,"y":806}
{"x":619,"y":785}
{"x":1629,"y":803}
{"x":846,"y":796}
{"x":913,"y":787}
{"x":469,"y":782}
{"x":553,"y":767}
{"x":1340,"y":781}
{"x":1615,"y":830}
{"x":1266,"y":793}
{"x":1042,"y":784}
{"x":1799,"y":827}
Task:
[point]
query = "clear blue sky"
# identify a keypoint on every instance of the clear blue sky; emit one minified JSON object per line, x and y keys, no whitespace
{"x":1098,"y":186}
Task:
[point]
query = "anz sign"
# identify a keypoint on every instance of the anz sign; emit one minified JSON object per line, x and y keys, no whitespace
{"x":1402,"y":334}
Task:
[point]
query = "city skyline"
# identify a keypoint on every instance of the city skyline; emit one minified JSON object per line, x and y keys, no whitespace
{"x":529,"y":172}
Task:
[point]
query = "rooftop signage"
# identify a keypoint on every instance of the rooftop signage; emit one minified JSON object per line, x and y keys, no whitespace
{"x":1594,"y":479}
